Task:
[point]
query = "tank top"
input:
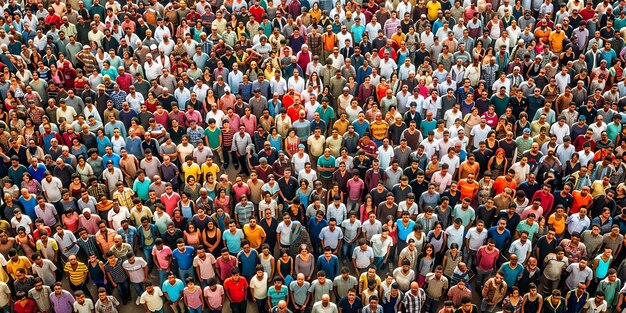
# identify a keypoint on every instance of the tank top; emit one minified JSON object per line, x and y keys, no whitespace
{"x":531,"y":306}
{"x":96,"y":273}
{"x":186,"y":210}
{"x":292,"y":145}
{"x":267,"y":263}
{"x":603,"y":267}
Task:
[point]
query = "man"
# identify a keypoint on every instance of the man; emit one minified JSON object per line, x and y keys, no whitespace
{"x":493,"y":292}
{"x":137,"y":271}
{"x":152,"y":298}
{"x":236,"y":289}
{"x":106,"y":303}
{"x":324,"y":305}
{"x":63,"y":301}
{"x":173,"y":292}
{"x":76,"y":273}
{"x":414,"y":299}
{"x":436,"y":286}
{"x":184,"y":256}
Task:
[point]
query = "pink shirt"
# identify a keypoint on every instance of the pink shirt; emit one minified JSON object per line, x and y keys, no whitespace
{"x":355,"y":188}
{"x":214,"y":297}
{"x":162,"y":256}
{"x":194,"y":299}
{"x":249,"y":123}
{"x":239,"y":191}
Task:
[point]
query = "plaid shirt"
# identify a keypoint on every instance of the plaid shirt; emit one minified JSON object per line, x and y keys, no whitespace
{"x":412,"y":303}
{"x":89,"y":246}
{"x":118,"y":98}
{"x":117,"y":272}
{"x":128,"y":235}
{"x":98,"y":191}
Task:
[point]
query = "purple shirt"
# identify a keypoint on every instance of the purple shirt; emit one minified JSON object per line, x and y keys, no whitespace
{"x":63,"y":303}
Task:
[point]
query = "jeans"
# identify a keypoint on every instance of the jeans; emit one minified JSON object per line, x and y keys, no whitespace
{"x":431,"y":305}
{"x":204,"y":283}
{"x":124,"y":291}
{"x":196,"y":310}
{"x":178,"y":307}
{"x":239,"y":307}
{"x":261,"y":305}
{"x":347,"y":249}
{"x":486,"y":308}
{"x":470,"y":259}
{"x":378,"y":262}
{"x":139,"y":288}
{"x":481,"y":277}
{"x":183,"y":274}
{"x":147,"y":253}
{"x":353,"y":205}
{"x":162,"y":276}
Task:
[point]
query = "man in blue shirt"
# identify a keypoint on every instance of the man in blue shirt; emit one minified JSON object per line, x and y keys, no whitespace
{"x":500,"y":234}
{"x":184,"y":256}
{"x":173,"y":291}
{"x":328,"y":263}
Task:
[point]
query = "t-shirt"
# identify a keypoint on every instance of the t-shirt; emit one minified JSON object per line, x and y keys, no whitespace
{"x":184,"y":258}
{"x":476,"y":239}
{"x":154,"y":301}
{"x":214,"y":297}
{"x":379,"y":246}
{"x":233,"y":241}
{"x":259,"y":285}
{"x":173,"y":291}
{"x":277,"y":295}
{"x":86,"y":307}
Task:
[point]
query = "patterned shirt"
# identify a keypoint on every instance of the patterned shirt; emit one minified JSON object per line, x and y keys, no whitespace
{"x":89,"y":245}
{"x":118,"y":98}
{"x":128,"y":235}
{"x":117,"y":272}
{"x":42,"y":298}
{"x":413,"y":303}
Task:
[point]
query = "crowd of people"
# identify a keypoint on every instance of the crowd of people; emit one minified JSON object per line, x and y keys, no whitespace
{"x":311,"y":156}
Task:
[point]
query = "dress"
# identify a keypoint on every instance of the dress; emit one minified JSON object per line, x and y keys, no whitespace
{"x":497,"y":169}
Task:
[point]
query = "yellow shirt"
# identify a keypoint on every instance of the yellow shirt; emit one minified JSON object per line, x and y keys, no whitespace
{"x":556,"y":41}
{"x":78,"y":275}
{"x":22,"y":262}
{"x":342,"y":126}
{"x":213,"y":169}
{"x":255,"y":236}
{"x":379,"y":130}
{"x":433,"y":9}
{"x":597,"y":188}
{"x":193,"y":170}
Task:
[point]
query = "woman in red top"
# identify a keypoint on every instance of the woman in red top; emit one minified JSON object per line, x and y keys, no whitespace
{"x":23,"y":304}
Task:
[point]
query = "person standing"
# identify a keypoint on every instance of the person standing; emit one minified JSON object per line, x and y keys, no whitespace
{"x":236,"y":289}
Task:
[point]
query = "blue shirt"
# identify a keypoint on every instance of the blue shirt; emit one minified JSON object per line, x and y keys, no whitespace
{"x":184,"y":258}
{"x":233,"y":242}
{"x":37,"y":173}
{"x":248,"y":263}
{"x":29,"y":207}
{"x":330,"y":267}
{"x":511,"y":275}
{"x":500,"y":239}
{"x":404,"y":232}
{"x":142,"y":188}
{"x":175,"y":291}
{"x":114,"y":157}
{"x":276,"y":296}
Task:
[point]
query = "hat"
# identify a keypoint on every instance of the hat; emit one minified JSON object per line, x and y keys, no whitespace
{"x":527,"y":130}
{"x":153,"y":47}
{"x":423,"y":16}
{"x":226,"y":89}
{"x":109,"y":162}
{"x":300,"y":146}
{"x":582,"y":117}
{"x":85,"y":210}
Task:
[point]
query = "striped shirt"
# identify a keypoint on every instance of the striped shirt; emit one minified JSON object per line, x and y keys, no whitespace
{"x":77,"y":276}
{"x":117,"y":271}
{"x":89,"y":245}
{"x":413,"y":303}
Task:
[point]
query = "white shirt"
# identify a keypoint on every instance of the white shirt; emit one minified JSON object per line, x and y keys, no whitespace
{"x":480,"y":134}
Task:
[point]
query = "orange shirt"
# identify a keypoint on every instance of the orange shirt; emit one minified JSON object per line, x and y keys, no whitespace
{"x":467,"y":189}
{"x":579,"y":201}
{"x":501,"y":183}
{"x":543,"y":35}
{"x":329,"y":42}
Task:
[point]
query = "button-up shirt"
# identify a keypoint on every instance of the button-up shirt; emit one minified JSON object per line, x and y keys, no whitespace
{"x":63,"y":303}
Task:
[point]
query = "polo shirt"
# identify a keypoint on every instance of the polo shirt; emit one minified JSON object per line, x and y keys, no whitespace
{"x":300,"y":293}
{"x":174,"y":292}
{"x":153,"y":301}
{"x":323,"y":162}
{"x":162,"y":256}
{"x":362,"y":258}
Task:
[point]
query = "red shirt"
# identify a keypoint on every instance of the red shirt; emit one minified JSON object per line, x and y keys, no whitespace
{"x":236,"y":291}
{"x":29,"y":307}
{"x":257,"y":12}
{"x":501,"y":183}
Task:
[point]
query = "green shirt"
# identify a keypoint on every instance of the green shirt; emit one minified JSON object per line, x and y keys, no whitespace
{"x":213,"y":136}
{"x":323,"y":162}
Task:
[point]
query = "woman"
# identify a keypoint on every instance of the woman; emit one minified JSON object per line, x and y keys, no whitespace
{"x":381,"y":89}
{"x":78,"y":149}
{"x":604,"y":220}
{"x":418,"y":236}
{"x":426,"y":263}
{"x":29,"y":131}
{"x":192,"y":235}
{"x":267,"y":260}
{"x":479,"y":50}
{"x":70,"y":221}
{"x":513,"y":302}
{"x":303,"y":194}
{"x":501,"y":129}
{"x":620,"y":198}
{"x":315,"y":12}
{"x":305,"y":262}
{"x":521,"y":124}
{"x":102,"y":141}
{"x":67,"y":202}
{"x":296,"y":210}
{"x":366,"y":208}
{"x":220,"y":218}
{"x":211,"y":237}
{"x":485,"y":187}
{"x":30,"y":184}
{"x":161,"y":218}
{"x":291,"y":143}
{"x":222,"y":201}
{"x":498,"y":164}
{"x":24,"y":304}
{"x":209,"y":100}
{"x":97,"y":272}
{"x":352,"y":86}
{"x":137,"y":128}
{"x":391,"y":225}
{"x":492,"y":141}
{"x":451,"y":260}
{"x":284,"y":265}
{"x":192,"y":296}
{"x":193,"y":72}
{"x":314,"y":81}
{"x":275,"y":139}
{"x":569,"y":56}
{"x":532,"y":302}
{"x":11,"y":101}
{"x":84,"y":170}
{"x":557,"y":221}
{"x":151,"y":101}
{"x":179,"y":220}
{"x":25,"y":242}
{"x":471,"y":120}
{"x":437,"y":238}
{"x":192,"y":189}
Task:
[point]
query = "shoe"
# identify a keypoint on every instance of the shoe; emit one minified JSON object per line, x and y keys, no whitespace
{"x":236,"y":166}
